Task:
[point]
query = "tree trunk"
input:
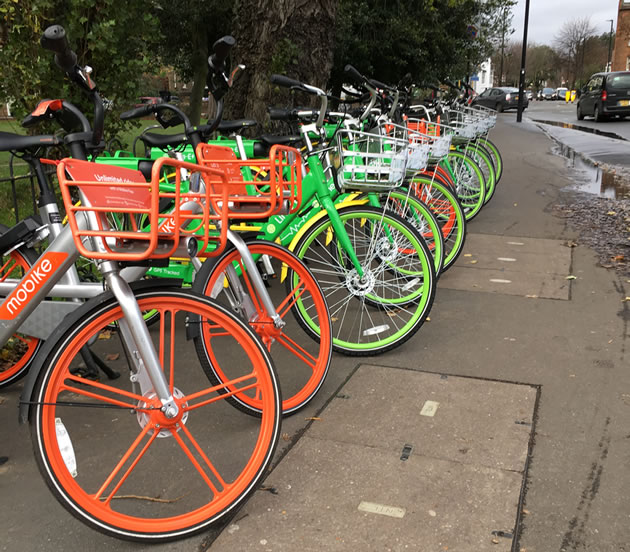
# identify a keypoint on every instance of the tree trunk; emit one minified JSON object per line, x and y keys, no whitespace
{"x":290,"y":37}
{"x":200,"y":72}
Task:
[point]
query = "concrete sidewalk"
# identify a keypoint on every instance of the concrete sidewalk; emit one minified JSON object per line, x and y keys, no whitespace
{"x":501,"y":345}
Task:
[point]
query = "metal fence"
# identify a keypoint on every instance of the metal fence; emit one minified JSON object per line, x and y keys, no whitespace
{"x":17,"y":182}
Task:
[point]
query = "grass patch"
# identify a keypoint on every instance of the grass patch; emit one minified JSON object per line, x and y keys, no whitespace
{"x":23,"y":189}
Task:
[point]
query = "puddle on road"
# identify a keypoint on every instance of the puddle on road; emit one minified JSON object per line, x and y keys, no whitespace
{"x":591,"y":178}
{"x":590,"y":130}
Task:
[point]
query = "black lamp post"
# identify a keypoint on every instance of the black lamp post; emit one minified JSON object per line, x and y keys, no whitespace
{"x":609,"y":66}
{"x":521,"y":84}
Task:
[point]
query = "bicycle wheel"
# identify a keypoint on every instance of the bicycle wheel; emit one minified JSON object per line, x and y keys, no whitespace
{"x":419,"y":215}
{"x":479,"y":154}
{"x":18,"y":353}
{"x":447,"y":210}
{"x":470,"y":185}
{"x":302,"y":364}
{"x":382,"y":310}
{"x":495,"y":154}
{"x":109,"y":454}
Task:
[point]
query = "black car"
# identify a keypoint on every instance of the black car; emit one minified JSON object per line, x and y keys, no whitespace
{"x":546,"y":93}
{"x":500,"y":99}
{"x":606,"y":95}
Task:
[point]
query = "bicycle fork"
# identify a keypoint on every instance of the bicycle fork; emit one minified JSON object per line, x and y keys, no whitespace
{"x":237,"y":295}
{"x":146,"y":368}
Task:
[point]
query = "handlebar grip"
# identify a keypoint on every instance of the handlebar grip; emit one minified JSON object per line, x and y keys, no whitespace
{"x":379,"y":84}
{"x":55,"y":40}
{"x":137,"y":112}
{"x":281,"y":80}
{"x":354,"y":74}
{"x":280,"y":114}
{"x":221,"y":49}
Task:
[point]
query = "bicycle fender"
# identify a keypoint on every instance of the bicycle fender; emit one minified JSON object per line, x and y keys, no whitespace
{"x":31,"y":378}
{"x":320,"y":215}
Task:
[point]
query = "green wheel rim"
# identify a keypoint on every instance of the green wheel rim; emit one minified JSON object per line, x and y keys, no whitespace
{"x":420,"y":296}
{"x":469,"y":183}
{"x":454,"y":239}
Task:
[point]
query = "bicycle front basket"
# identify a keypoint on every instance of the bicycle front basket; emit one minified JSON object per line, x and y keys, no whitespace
{"x":371,"y":161}
{"x":256,"y":188}
{"x":122,"y":217}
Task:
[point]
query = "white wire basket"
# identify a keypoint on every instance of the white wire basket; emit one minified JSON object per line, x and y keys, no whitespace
{"x":434,"y":135}
{"x":372,"y":161}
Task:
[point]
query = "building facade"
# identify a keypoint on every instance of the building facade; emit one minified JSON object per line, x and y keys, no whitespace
{"x":621,"y":53}
{"x":484,"y":77}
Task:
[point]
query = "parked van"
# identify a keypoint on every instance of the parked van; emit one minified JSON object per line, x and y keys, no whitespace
{"x":606,"y":95}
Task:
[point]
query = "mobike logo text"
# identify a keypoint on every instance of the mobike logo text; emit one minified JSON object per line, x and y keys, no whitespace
{"x":32,"y":282}
{"x":168,"y":225}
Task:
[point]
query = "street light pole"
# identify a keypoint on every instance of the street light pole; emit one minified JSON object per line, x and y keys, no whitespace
{"x":609,"y":66}
{"x":521,"y":84}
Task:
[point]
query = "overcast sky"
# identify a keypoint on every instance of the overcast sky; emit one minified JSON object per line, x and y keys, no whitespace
{"x":546,"y":17}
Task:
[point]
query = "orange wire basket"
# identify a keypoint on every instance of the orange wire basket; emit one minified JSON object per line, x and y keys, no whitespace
{"x":123,"y":210}
{"x":257,"y":188}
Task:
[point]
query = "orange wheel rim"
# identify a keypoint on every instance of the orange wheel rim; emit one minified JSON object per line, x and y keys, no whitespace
{"x":263,"y":326}
{"x":99,"y":504}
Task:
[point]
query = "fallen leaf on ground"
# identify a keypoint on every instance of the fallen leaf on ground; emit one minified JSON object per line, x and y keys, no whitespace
{"x":610,"y":341}
{"x":611,"y":213}
{"x":625,"y":299}
{"x":286,"y":437}
{"x":467,"y":254}
{"x":473,"y":262}
{"x":105,"y":335}
{"x":313,"y":418}
{"x":112,"y":356}
{"x":532,"y":296}
{"x":571,"y":277}
{"x":618,"y":258}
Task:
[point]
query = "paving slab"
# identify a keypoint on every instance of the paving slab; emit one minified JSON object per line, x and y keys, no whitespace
{"x":399,"y":460}
{"x":529,"y":267}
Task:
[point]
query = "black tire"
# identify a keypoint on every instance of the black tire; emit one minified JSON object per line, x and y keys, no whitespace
{"x":597,"y":115}
{"x":301,"y":361}
{"x":18,"y":354}
{"x":580,"y":115}
{"x":499,"y":107}
{"x":381,"y":311}
{"x":206,"y":461}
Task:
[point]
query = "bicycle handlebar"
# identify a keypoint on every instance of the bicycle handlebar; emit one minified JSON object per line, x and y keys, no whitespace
{"x":55,"y":40}
{"x":137,"y":112}
{"x":221,"y":48}
{"x":286,"y":82}
{"x":354,"y":74}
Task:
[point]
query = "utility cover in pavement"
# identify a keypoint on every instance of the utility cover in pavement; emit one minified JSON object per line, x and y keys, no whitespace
{"x":529,"y":267}
{"x":374,"y":474}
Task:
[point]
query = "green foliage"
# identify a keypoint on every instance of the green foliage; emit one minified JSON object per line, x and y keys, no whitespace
{"x":431,"y":39}
{"x":117,"y":43}
{"x":181,"y":24}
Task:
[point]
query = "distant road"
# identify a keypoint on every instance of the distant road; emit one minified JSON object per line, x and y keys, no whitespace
{"x":566,"y":113}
